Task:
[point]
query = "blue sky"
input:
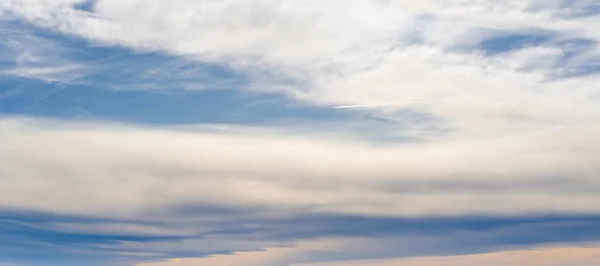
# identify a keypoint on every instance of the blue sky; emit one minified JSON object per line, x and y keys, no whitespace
{"x":191,"y":133}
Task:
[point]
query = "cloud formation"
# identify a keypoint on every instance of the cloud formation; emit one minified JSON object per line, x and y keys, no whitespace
{"x":574,"y":256}
{"x":125,"y":170}
{"x":505,"y":124}
{"x":469,"y":61}
{"x":549,"y":256}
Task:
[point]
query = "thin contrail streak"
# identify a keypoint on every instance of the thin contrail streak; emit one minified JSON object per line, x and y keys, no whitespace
{"x":363,"y":105}
{"x":383,"y":104}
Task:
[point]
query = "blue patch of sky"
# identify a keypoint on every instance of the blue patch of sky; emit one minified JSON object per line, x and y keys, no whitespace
{"x":571,"y":63}
{"x":26,"y":241}
{"x":510,"y":41}
{"x":579,"y":8}
{"x":575,"y":49}
{"x":116,"y":67}
{"x":21,"y":232}
{"x":145,"y":87}
{"x":36,"y":98}
{"x":588,"y":11}
{"x":125,"y":85}
{"x":85,"y":5}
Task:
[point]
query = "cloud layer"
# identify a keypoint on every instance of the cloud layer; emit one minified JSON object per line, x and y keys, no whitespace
{"x":581,"y":256}
{"x":575,"y":256}
{"x":125,"y":170}
{"x":477,"y":69}
{"x":495,"y":114}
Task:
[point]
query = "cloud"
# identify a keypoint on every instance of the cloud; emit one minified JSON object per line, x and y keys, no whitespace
{"x":267,"y":257}
{"x":373,"y":52}
{"x":28,"y":55}
{"x":548,"y":256}
{"x":39,"y":72}
{"x":219,"y":234}
{"x":125,"y":170}
{"x":506,"y":123}
{"x":576,"y":255}
{"x":270,"y":257}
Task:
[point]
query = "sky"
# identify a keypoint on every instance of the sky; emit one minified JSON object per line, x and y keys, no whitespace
{"x":302,"y":133}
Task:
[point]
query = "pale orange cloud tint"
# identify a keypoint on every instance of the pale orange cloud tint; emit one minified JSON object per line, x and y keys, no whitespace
{"x":561,"y":256}
{"x":267,"y":257}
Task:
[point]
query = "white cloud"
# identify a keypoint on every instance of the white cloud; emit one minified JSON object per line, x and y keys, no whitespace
{"x":45,"y":73}
{"x":372,"y":52}
{"x":502,"y":134}
{"x":124,"y":170}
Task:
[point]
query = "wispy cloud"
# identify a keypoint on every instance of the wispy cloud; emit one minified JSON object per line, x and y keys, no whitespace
{"x":45,"y":73}
{"x":27,"y":55}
